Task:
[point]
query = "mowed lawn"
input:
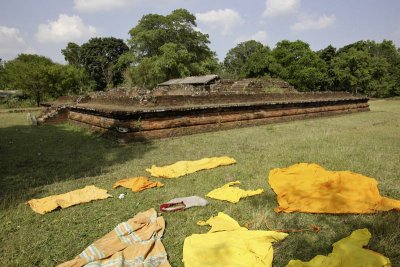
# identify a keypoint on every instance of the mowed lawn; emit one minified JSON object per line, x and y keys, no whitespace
{"x":40,"y":161}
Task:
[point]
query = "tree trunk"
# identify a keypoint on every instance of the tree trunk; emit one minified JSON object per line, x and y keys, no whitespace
{"x":37,"y":99}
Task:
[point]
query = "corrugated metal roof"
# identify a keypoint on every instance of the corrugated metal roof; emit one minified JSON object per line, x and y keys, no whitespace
{"x":170,"y":82}
{"x":191,"y":80}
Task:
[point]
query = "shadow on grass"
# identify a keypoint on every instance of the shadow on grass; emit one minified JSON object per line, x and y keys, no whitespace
{"x":383,"y":227}
{"x":31,"y":157}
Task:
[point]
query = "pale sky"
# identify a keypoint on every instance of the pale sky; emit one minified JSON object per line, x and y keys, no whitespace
{"x":46,"y":26}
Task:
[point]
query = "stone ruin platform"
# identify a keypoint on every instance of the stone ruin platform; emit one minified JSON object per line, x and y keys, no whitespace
{"x":145,"y":117}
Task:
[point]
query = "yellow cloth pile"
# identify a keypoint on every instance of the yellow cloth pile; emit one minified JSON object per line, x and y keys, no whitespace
{"x":310,"y":188}
{"x":86,"y":194}
{"x":136,"y":242}
{"x":137,"y":184}
{"x":232,"y":194}
{"x":348,"y":251}
{"x":228,"y":244}
{"x":181,"y":168}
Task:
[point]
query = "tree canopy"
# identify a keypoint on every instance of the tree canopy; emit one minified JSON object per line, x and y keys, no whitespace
{"x":169,"y":47}
{"x":372,"y":68}
{"x":2,"y":75}
{"x":250,"y":59}
{"x":300,"y":65}
{"x":38,"y":77}
{"x":72,"y":54}
{"x":99,"y":57}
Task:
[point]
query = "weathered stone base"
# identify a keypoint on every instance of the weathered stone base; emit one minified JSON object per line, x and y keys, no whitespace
{"x":147,"y":124}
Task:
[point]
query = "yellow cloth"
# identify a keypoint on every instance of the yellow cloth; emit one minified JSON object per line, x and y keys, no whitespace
{"x":222,"y":222}
{"x":348,"y":251}
{"x":181,"y":168}
{"x":86,"y":194}
{"x":310,"y":188}
{"x":136,"y":242}
{"x":137,"y":184}
{"x":232,"y":194}
{"x":228,"y":244}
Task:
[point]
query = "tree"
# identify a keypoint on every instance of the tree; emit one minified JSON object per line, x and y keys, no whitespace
{"x":68,"y":79}
{"x":2,"y":75}
{"x":301,"y":66}
{"x":251,"y":59}
{"x":99,"y":57}
{"x":383,"y":66}
{"x":171,"y":46}
{"x":72,"y":54}
{"x":358,"y":72}
{"x":153,"y":31}
{"x":148,"y":73}
{"x":328,"y":54}
{"x":261,"y":63}
{"x":39,"y":78}
{"x":388,"y":51}
{"x":29,"y":74}
{"x":237,"y":57}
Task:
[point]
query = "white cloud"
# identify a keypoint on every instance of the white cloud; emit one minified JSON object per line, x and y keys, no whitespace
{"x":12,"y":43}
{"x":307,"y":22}
{"x":101,"y":5}
{"x":275,"y":8}
{"x":66,"y":28}
{"x":260,"y":36}
{"x":222,"y":19}
{"x":10,"y":36}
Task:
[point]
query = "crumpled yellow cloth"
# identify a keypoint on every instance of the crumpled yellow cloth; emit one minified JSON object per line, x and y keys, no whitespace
{"x":136,"y":242}
{"x":137,"y":184}
{"x":348,"y":251}
{"x":310,"y":188}
{"x":83,"y":195}
{"x":232,"y":194}
{"x":181,"y":168}
{"x":228,"y":244}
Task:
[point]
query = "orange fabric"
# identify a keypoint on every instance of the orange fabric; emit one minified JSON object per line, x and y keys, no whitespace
{"x":310,"y":188}
{"x":137,"y":184}
{"x":136,"y":242}
{"x":50,"y":203}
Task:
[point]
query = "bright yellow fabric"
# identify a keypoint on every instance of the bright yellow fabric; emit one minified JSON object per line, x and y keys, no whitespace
{"x":222,"y":222}
{"x":228,"y":244}
{"x":348,"y":251}
{"x":136,"y":242}
{"x":181,"y":168}
{"x":137,"y":184}
{"x":310,"y":188}
{"x":50,"y":203}
{"x":232,"y":194}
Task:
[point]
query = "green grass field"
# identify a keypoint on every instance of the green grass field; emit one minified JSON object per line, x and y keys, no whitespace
{"x":40,"y":161}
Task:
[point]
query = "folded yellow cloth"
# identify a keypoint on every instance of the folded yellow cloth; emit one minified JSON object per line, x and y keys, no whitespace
{"x":136,"y":242}
{"x":310,"y":188}
{"x":348,"y":251}
{"x":232,"y":194}
{"x":181,"y":168}
{"x":228,"y":244}
{"x":50,"y":203}
{"x":137,"y":184}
